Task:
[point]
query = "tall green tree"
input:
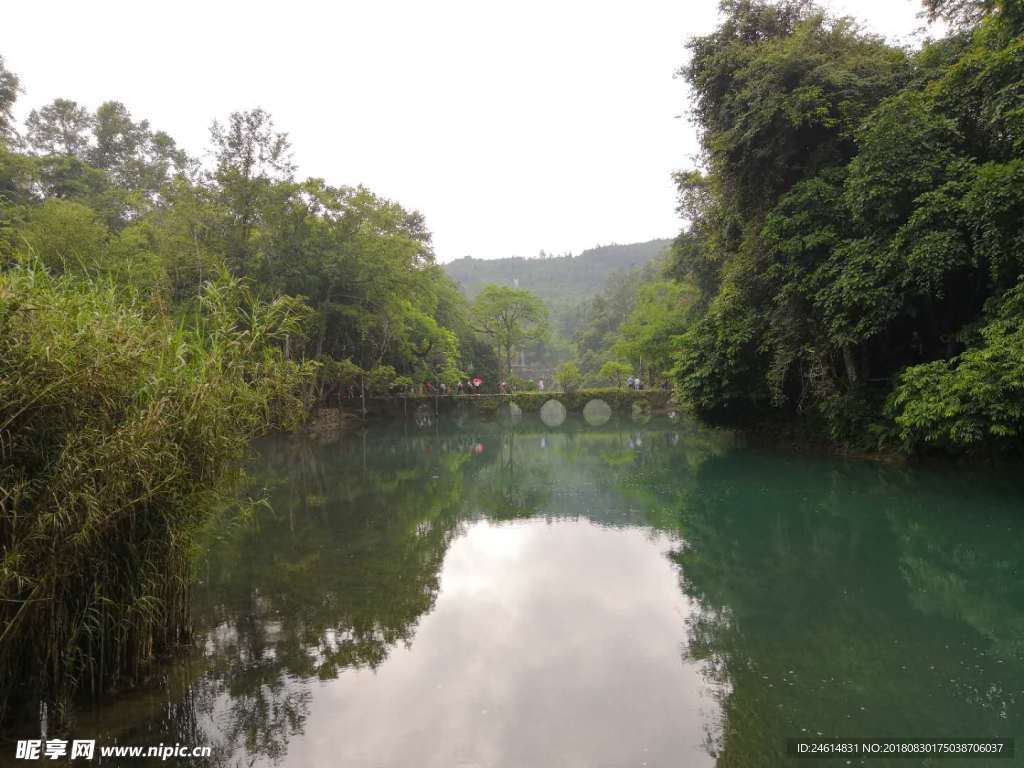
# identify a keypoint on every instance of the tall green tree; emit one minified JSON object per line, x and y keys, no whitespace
{"x":250,"y":156}
{"x":9,"y":88}
{"x":60,"y":128}
{"x":615,"y":372}
{"x":649,"y":336}
{"x":510,"y":318}
{"x":135,"y":157}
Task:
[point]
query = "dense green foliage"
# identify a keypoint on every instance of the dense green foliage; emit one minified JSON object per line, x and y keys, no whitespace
{"x":856,"y":233}
{"x":155,"y":316}
{"x":120,"y":431}
{"x":615,"y":373}
{"x":568,"y":376}
{"x":510,"y":318}
{"x":635,"y":322}
{"x":601,"y":317}
{"x":105,"y":195}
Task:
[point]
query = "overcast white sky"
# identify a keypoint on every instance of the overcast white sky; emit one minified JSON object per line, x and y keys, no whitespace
{"x":512,"y":126}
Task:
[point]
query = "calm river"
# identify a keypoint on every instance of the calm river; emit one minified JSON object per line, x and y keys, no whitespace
{"x":465,"y":594}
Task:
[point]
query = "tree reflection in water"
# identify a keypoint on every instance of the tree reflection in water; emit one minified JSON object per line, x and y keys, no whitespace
{"x":851,"y":600}
{"x":834,"y":598}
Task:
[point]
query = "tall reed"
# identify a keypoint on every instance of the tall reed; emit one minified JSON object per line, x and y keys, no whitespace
{"x":120,"y":430}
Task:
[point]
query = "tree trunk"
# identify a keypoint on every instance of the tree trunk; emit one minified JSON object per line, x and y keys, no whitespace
{"x":850,"y":363}
{"x":323,"y":319}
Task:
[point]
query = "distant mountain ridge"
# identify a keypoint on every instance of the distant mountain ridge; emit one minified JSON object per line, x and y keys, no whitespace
{"x":555,"y":279}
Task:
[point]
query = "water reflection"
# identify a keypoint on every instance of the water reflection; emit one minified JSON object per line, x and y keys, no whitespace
{"x":632,"y":594}
{"x":852,"y":600}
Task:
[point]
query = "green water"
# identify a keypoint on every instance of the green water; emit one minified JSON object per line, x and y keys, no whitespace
{"x":466,"y":595}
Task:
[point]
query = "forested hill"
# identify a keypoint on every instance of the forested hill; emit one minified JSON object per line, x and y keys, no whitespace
{"x":555,"y":278}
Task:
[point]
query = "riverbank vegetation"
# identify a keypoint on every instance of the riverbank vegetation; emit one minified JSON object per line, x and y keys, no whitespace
{"x":102,"y":194}
{"x":156,"y":314}
{"x":120,"y":429}
{"x":856,"y":230}
{"x":852,"y":260}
